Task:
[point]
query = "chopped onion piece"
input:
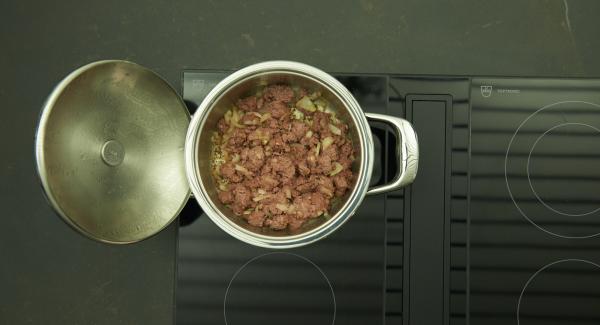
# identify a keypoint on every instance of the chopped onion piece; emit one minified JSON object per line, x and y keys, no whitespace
{"x":281,"y":207}
{"x":309,"y":134}
{"x":327,"y":142}
{"x":318,"y":149}
{"x":337,"y":169}
{"x":260,"y":197}
{"x":228,"y":116}
{"x":332,"y":115}
{"x":236,"y":158}
{"x":314,"y":95}
{"x":297,"y":114}
{"x":321,"y":104}
{"x":265,"y":117}
{"x":307,"y":104}
{"x":326,"y":191}
{"x":335,"y":130}
{"x":235,"y":119}
{"x":243,"y":170}
{"x":261,"y":191}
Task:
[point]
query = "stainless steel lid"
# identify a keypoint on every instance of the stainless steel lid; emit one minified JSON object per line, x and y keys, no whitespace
{"x":109,"y":151}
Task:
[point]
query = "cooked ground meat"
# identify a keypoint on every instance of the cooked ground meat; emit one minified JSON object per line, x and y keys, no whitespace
{"x":267,"y":182}
{"x":253,"y":158}
{"x":278,"y":93}
{"x":229,"y":173}
{"x":247,"y":104}
{"x":222,"y":125}
{"x":282,"y":158}
{"x":310,"y":205}
{"x":299,"y":129}
{"x":277,"y":109}
{"x":256,"y":218}
{"x":226,"y":197}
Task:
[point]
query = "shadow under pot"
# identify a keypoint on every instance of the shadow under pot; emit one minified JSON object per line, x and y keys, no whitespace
{"x":118,"y":156}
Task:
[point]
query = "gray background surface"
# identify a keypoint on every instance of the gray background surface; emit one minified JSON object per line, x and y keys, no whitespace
{"x":51,"y":275}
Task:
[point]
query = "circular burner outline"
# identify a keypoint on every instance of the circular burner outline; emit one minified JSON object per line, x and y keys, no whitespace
{"x":284,"y":253}
{"x":540,"y":271}
{"x":506,"y":169}
{"x":529,"y":178}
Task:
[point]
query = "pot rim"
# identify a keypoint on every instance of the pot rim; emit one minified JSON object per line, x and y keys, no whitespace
{"x":352,"y":202}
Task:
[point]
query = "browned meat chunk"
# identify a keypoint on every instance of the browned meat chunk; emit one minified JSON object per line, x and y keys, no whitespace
{"x":304,"y":185}
{"x":331,"y":152}
{"x":303,"y":168}
{"x":288,"y":137}
{"x":268,"y":182}
{"x":278,"y":93}
{"x":256,"y":218}
{"x":251,"y":182}
{"x":278,"y":222}
{"x":299,"y":129}
{"x":321,"y":123}
{"x":324,"y":185}
{"x":346,"y":149}
{"x":254,"y":158}
{"x":278,"y":145}
{"x":277,"y":109}
{"x":298,"y":151}
{"x":310,"y":141}
{"x":310,"y":205}
{"x":284,"y":167}
{"x":242,"y":195}
{"x":275,"y":203}
{"x":222,"y":126}
{"x":324,"y":165}
{"x":342,"y":182}
{"x":346,"y":155}
{"x":226,"y":197}
{"x":272,"y":124}
{"x":238,"y":137}
{"x":229,"y":173}
{"x":242,"y":198}
{"x":247,"y":104}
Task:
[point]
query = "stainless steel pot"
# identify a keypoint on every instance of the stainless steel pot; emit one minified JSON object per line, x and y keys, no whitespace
{"x":116,"y":164}
{"x":246,"y":81}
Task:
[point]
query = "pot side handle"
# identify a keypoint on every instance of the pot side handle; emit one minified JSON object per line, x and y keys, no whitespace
{"x":407,"y":152}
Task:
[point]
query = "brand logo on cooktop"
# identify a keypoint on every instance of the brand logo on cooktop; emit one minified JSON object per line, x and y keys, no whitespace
{"x":486,"y":91}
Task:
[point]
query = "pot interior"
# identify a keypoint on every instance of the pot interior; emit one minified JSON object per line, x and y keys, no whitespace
{"x":249,"y":86}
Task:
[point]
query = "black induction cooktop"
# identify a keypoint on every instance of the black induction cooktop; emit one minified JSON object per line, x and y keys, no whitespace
{"x":501,"y":226}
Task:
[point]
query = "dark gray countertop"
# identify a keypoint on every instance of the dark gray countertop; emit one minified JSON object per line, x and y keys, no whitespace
{"x":52,"y":275}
